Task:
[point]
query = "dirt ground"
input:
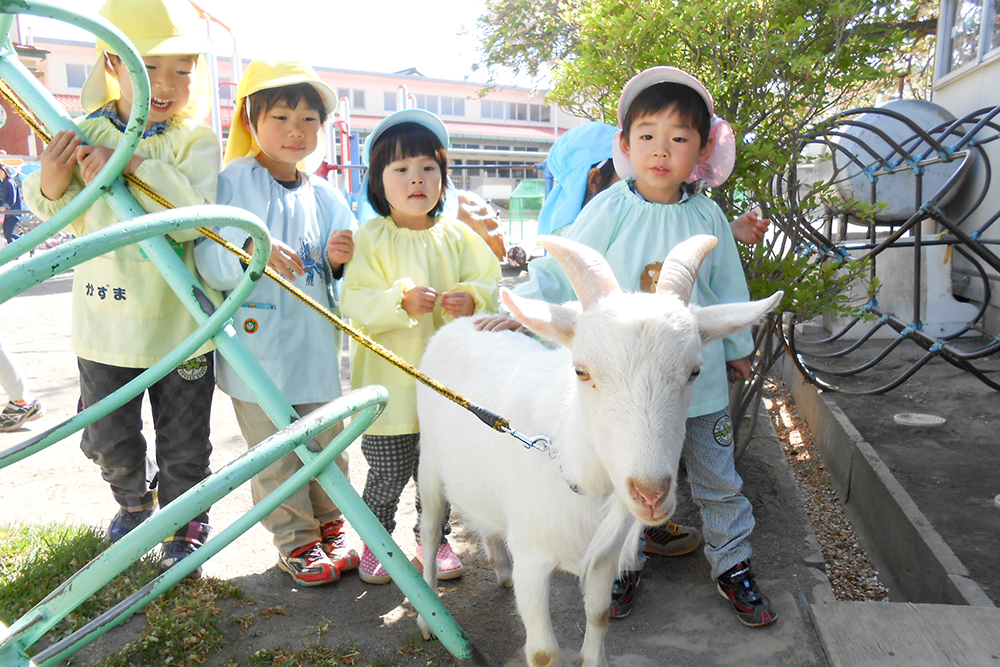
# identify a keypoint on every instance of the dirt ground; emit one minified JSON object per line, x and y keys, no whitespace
{"x":949,"y":470}
{"x":678,"y":619}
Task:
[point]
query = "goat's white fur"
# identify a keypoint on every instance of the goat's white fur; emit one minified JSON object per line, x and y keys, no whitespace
{"x":617,"y":434}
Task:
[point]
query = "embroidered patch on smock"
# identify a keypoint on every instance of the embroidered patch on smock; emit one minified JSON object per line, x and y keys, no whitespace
{"x":250,"y":325}
{"x":723,"y":431}
{"x":194,"y":369}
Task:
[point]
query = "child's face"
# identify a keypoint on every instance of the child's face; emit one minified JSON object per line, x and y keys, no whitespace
{"x":413,"y":189}
{"x":287,"y":135}
{"x":170,"y":82}
{"x":664,"y":149}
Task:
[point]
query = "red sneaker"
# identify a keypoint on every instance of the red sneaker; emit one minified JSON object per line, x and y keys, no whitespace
{"x":309,"y":566}
{"x":335,"y":545}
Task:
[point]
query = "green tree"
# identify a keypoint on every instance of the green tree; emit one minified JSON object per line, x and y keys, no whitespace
{"x":774,"y":67}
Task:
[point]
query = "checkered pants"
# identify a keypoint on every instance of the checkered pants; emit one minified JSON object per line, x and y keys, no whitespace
{"x":182,"y":406}
{"x":392,"y":461}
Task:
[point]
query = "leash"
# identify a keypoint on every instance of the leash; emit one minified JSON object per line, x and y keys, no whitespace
{"x":491,"y":419}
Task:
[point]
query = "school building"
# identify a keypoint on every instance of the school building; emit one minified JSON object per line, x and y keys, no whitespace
{"x":498,"y":138}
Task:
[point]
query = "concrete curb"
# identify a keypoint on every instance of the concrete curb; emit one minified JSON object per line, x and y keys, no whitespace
{"x":923,"y":567}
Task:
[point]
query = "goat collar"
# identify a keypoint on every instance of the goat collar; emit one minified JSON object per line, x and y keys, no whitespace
{"x":573,"y":486}
{"x":543,"y":443}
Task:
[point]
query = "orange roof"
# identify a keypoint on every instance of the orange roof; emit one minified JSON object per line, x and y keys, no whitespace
{"x":464,"y":130}
{"x":70,"y":102}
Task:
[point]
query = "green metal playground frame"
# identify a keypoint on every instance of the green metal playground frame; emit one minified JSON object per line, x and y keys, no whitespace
{"x":148,"y":231}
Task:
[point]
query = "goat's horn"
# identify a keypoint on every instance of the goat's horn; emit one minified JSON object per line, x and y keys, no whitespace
{"x":587,"y":270}
{"x":680,"y":269}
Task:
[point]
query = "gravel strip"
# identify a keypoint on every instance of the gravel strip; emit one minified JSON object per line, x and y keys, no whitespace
{"x":851,"y":573}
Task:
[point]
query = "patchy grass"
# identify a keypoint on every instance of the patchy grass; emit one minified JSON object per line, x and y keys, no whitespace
{"x":345,"y":655}
{"x":35,"y":560}
{"x":185,"y":627}
{"x":180,"y":630}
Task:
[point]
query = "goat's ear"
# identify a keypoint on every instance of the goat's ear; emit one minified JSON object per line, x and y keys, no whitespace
{"x":725,"y":319}
{"x":551,"y":321}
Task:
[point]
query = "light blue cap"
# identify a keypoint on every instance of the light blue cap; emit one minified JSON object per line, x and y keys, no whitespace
{"x":420,"y":117}
{"x":569,"y":162}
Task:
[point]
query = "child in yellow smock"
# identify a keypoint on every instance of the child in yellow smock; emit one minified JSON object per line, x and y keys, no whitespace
{"x":125,"y":315}
{"x":413,"y":271}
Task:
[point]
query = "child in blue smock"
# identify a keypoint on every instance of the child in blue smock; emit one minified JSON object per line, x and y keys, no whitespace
{"x":669,"y":140}
{"x":279,"y":113}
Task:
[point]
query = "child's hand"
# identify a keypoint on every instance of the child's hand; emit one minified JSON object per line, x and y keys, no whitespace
{"x":93,"y":158}
{"x":419,"y":300}
{"x":498,"y":323}
{"x":58,"y":160}
{"x":283,"y":259}
{"x":749,"y":228}
{"x":340,"y":248}
{"x":458,"y":303}
{"x":739,"y":370}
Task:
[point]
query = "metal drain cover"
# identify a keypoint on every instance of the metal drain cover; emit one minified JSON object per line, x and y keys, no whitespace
{"x":917,"y":419}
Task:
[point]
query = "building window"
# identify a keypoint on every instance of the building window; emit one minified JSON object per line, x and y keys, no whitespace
{"x":354,"y":96}
{"x":452,"y":106}
{"x":972,"y":31}
{"x":76,"y":75}
{"x":493,"y":109}
{"x":540,"y":113}
{"x":427,"y":102}
{"x":389,"y":101}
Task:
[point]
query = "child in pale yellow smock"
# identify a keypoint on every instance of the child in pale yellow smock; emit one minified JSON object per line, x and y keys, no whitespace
{"x":413,"y":271}
{"x":125,"y":315}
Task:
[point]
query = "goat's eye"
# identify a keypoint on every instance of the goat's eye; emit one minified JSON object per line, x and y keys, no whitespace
{"x":694,"y":375}
{"x":582,"y":373}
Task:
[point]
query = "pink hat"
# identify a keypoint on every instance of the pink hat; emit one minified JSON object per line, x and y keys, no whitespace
{"x":719,"y":164}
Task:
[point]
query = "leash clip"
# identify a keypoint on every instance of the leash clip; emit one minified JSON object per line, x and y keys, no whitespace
{"x":540,"y":442}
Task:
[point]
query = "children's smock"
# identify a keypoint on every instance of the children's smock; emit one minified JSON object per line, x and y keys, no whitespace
{"x":124,"y":313}
{"x":635,"y":236}
{"x":389,"y":260}
{"x":297,"y":347}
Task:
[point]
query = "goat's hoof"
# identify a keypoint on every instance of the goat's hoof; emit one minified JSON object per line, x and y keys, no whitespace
{"x":504,"y":579}
{"x":425,"y":630}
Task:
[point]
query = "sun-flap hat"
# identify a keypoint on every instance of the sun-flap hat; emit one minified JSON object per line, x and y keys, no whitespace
{"x":155,"y":28}
{"x":570,"y":160}
{"x":421,"y":117}
{"x":261,"y":75}
{"x":718,"y":165}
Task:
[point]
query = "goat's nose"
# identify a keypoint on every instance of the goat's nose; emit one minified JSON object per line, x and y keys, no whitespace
{"x":650,"y":493}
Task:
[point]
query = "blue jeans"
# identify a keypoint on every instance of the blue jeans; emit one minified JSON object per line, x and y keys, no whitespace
{"x":9,"y":224}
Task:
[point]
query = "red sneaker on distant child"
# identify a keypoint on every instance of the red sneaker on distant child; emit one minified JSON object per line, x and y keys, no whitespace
{"x":18,"y":412}
{"x":335,"y":545}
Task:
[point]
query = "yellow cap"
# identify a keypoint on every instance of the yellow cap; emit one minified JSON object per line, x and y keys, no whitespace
{"x":261,"y":75}
{"x":155,"y":28}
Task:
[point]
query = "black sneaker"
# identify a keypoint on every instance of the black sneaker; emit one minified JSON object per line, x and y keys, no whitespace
{"x":623,"y":594}
{"x":174,"y":552}
{"x":124,"y":522}
{"x":739,"y":587}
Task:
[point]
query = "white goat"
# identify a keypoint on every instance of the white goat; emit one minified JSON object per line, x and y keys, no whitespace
{"x":614,"y":401}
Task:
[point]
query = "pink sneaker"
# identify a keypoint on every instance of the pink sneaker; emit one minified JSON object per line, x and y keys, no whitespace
{"x":371,"y":571}
{"x":335,"y":546}
{"x":448,"y":564}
